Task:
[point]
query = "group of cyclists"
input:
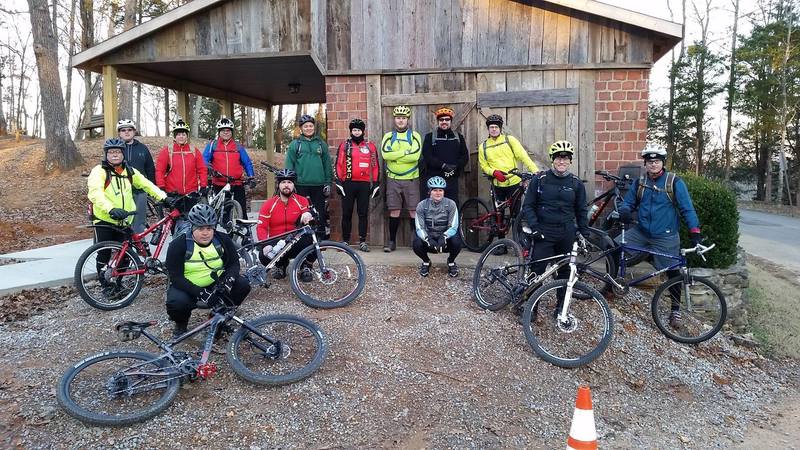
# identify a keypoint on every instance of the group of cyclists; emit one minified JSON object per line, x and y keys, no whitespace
{"x":422,"y":181}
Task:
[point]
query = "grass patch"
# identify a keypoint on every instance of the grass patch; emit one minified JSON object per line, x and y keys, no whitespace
{"x":774,"y":313}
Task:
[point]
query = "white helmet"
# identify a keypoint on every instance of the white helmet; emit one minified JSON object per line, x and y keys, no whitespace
{"x":224,"y":122}
{"x":654,"y":151}
{"x":125,"y":123}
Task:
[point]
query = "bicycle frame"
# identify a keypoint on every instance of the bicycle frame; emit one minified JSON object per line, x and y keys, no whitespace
{"x":137,"y":240}
{"x":296,"y":235}
{"x":498,"y":212}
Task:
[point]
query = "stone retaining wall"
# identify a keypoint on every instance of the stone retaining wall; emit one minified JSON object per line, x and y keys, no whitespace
{"x":732,"y":281}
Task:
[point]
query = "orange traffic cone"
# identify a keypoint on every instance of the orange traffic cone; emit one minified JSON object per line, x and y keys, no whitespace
{"x":582,"y":433}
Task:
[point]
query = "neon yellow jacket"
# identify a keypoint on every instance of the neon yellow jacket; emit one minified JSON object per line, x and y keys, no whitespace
{"x":401,"y":151}
{"x":118,"y":193}
{"x":503,"y":153}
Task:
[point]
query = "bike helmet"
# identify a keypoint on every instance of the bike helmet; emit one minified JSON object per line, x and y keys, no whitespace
{"x":285,"y":174}
{"x":357,"y":123}
{"x":494,"y":119}
{"x":561,"y":148}
{"x":113,"y":143}
{"x":436,"y":183}
{"x":223,"y":123}
{"x":306,"y":118}
{"x":654,"y":151}
{"x":202,"y":215}
{"x":125,"y":123}
{"x":180,"y":125}
{"x":444,"y":111}
{"x":401,"y":111}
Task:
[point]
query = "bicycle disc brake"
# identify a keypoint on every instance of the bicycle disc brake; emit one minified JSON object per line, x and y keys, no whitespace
{"x":567,"y":326}
{"x":118,"y":385}
{"x":257,"y":275}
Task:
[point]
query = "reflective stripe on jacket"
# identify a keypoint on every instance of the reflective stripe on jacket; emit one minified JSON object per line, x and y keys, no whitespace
{"x":118,"y":193}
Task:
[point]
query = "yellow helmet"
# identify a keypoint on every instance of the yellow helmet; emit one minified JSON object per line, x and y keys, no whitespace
{"x":401,"y":111}
{"x":561,"y":147}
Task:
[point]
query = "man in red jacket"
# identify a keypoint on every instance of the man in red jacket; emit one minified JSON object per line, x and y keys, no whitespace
{"x":180,"y":169}
{"x":282,"y":213}
{"x":356,"y":180}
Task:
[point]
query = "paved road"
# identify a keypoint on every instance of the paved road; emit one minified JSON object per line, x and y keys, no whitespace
{"x":772,"y":237}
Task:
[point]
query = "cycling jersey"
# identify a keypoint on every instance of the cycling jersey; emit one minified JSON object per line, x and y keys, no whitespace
{"x":229,"y":159}
{"x":309,"y":157}
{"x":503,"y":153}
{"x":402,"y":151}
{"x":276,"y":217}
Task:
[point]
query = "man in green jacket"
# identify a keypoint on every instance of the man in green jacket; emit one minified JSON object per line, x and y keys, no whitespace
{"x":308,"y":156}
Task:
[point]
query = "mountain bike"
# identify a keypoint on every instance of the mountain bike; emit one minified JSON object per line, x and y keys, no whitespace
{"x":338,"y":272}
{"x":110,"y":274}
{"x":123,"y":387}
{"x":228,"y":209}
{"x":580,"y":322}
{"x":480,"y":226}
{"x":602,"y":211}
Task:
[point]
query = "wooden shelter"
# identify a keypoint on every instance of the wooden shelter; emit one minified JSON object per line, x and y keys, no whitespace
{"x":555,"y":69}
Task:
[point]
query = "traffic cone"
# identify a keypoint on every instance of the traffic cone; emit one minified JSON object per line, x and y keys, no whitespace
{"x":582,"y":433}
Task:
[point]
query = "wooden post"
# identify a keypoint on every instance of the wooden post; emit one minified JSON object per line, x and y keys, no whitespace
{"x":183,"y":106}
{"x":269,"y":138}
{"x":110,"y":107}
{"x":227,"y":108}
{"x":375,"y":128}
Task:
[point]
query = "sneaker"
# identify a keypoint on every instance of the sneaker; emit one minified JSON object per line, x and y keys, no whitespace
{"x":278,"y":272}
{"x":675,"y":319}
{"x":425,"y":269}
{"x":363,"y":246}
{"x":305,"y":275}
{"x":179,"y":330}
{"x":452,"y":269}
{"x":389,"y":247}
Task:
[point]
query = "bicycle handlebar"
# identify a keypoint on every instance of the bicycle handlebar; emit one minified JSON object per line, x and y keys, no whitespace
{"x":700,"y":249}
{"x":229,"y":178}
{"x":270,"y":167}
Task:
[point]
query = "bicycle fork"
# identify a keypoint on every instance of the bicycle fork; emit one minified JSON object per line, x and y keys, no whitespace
{"x":573,"y":278}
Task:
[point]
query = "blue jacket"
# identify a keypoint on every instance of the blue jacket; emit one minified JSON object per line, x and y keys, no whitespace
{"x":658,"y":216}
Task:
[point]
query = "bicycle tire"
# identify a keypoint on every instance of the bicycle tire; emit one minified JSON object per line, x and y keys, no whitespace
{"x":690,"y":314}
{"x":493,"y":281}
{"x":237,"y":353}
{"x":65,"y":392}
{"x":475,"y":240}
{"x":232,"y":210}
{"x":311,"y":292}
{"x":532,"y":327}
{"x":97,"y":299}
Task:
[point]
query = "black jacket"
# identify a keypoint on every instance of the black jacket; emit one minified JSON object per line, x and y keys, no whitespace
{"x":553,"y":201}
{"x":176,"y":254}
{"x":447,"y":148}
{"x":138,"y":156}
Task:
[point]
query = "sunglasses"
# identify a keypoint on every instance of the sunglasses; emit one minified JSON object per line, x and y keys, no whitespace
{"x":445,"y":119}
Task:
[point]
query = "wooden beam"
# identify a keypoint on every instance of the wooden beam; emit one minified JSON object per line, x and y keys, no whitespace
{"x":432,"y":98}
{"x":82,"y":60}
{"x":182,"y":98}
{"x":110,"y":103}
{"x":227,"y":108}
{"x":541,"y":97}
{"x":623,"y":15}
{"x":480,"y":69}
{"x":375,"y":127}
{"x":120,"y":58}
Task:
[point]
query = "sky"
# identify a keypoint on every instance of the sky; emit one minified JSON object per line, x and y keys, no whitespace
{"x":720,"y":35}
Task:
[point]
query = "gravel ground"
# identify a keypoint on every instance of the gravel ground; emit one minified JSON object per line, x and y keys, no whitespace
{"x":412,"y":363}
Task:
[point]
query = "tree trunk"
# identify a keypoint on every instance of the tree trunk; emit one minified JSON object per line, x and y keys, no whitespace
{"x":672,"y":76}
{"x":166,"y":112}
{"x":197,"y":109}
{"x":68,"y":89}
{"x":731,"y":92}
{"x":126,"y":86}
{"x":3,"y":124}
{"x":278,"y":129}
{"x":87,"y":40}
{"x":784,"y":115}
{"x":60,"y":151}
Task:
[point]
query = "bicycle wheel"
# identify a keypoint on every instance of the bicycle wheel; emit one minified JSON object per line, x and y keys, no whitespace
{"x":299,"y":349}
{"x":337,"y":284}
{"x":498,"y":272}
{"x":95,"y":282}
{"x":702,"y":309}
{"x":576,"y":341}
{"x":118,"y":388}
{"x":476,"y":227}
{"x":231,"y":210}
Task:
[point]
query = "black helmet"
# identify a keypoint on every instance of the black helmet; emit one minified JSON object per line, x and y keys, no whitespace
{"x":202,"y":215}
{"x":357,"y":123}
{"x":306,"y":118}
{"x":285,"y":174}
{"x":113,"y":143}
{"x":494,"y":119}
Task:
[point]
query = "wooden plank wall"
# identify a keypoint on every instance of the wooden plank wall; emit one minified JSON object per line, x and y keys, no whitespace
{"x":366,"y":35}
{"x":237,"y":27}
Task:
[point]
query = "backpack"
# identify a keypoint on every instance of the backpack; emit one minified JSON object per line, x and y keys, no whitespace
{"x":90,"y":206}
{"x":190,"y":245}
{"x":434,"y":139}
{"x":669,"y":189}
{"x":505,"y":141}
{"x":410,"y":138}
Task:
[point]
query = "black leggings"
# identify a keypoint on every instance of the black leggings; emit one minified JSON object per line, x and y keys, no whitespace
{"x":452,"y":246}
{"x":356,"y":192}
{"x":317,"y":198}
{"x":181,"y":303}
{"x":109,"y":232}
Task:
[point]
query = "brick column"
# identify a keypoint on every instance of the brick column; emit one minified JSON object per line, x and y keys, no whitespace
{"x":346,"y":99}
{"x":621,"y":117}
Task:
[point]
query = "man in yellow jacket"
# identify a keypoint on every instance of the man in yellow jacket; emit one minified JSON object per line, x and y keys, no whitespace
{"x":401,"y":149}
{"x":500,"y":153}
{"x":111,"y":186}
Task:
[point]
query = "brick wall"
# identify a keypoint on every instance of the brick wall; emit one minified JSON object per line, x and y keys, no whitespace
{"x":621,"y":117}
{"x":346,"y":99}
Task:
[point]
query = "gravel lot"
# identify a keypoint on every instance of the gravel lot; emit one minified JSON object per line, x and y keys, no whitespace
{"x":412,"y":363}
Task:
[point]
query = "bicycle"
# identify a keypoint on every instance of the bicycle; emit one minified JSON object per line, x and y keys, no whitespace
{"x":115,"y":283}
{"x":582,"y":324}
{"x":123,"y":387}
{"x":479,"y":225}
{"x":702,"y":305}
{"x":228,"y":209}
{"x":338,"y":272}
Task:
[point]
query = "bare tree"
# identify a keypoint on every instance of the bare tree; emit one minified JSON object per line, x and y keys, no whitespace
{"x":731,"y":92}
{"x":703,"y":19}
{"x":126,"y":86}
{"x":60,"y":150}
{"x":3,"y":124}
{"x":70,"y":52}
{"x":672,"y":78}
{"x":87,"y":40}
{"x":785,"y":115}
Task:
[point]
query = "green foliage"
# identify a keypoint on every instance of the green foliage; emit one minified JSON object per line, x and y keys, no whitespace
{"x":719,"y":220}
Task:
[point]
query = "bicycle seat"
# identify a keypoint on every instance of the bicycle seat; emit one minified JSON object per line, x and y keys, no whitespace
{"x":246,"y":221}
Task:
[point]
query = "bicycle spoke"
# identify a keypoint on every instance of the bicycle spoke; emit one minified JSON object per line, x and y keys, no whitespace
{"x":334,"y":276}
{"x":498,"y":272}
{"x":700,"y":307}
{"x":104,"y":286}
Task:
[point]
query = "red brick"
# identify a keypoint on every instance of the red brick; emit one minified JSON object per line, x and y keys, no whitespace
{"x":362,"y":96}
{"x":600,"y":85}
{"x":618,"y":95}
{"x":626,"y":125}
{"x":620,"y":74}
{"x":343,"y":116}
{"x":612,"y":106}
{"x":625,"y":146}
{"x":617,"y":136}
{"x":619,"y":115}
{"x":598,"y":146}
{"x":614,"y":85}
{"x":615,"y":156}
{"x":640,"y":125}
{"x":604,"y":96}
{"x":641,"y":85}
{"x":633,"y":95}
{"x":332,"y":106}
{"x":643,"y":115}
{"x":600,"y":106}
{"x":611,"y":146}
{"x":601,"y":156}
{"x":605,"y":75}
{"x":350,"y":106}
{"x":603,"y":116}
{"x":602,"y":136}
{"x":350,"y":88}
{"x":631,"y":136}
{"x":628,"y":85}
{"x":641,"y":106}
{"x":644,"y":95}
{"x":612,"y":165}
{"x":626,"y":106}
{"x":599,"y":126}
{"x":352,"y":97}
{"x":634,"y":75}
{"x":631,"y":115}
{"x":643,"y":136}
{"x":339,"y":88}
{"x":612,"y":126}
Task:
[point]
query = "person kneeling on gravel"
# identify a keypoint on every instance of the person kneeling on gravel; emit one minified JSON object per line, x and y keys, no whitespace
{"x":437,"y":228}
{"x":196,"y":261}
